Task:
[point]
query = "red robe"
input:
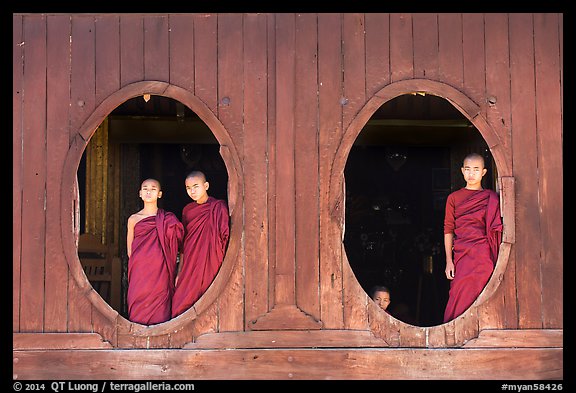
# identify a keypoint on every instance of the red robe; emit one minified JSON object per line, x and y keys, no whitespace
{"x":206,"y":237}
{"x":474,"y":218}
{"x":152,"y":267}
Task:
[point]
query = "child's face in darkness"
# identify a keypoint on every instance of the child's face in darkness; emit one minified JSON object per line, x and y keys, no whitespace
{"x":382,"y":299}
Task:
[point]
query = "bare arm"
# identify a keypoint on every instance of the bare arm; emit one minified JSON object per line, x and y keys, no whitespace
{"x":448,"y":244}
{"x":130,"y":235}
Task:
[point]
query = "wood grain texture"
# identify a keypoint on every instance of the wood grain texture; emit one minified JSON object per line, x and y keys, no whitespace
{"x":298,"y":88}
{"x":292,"y":364}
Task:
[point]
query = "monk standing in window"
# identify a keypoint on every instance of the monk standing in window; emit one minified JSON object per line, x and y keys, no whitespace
{"x":153,"y":239}
{"x":472,"y":235}
{"x":206,"y":226}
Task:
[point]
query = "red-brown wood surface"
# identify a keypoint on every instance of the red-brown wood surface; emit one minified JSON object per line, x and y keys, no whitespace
{"x":256,"y":170}
{"x":17,"y":184}
{"x":286,"y":95}
{"x":230,"y":65}
{"x":525,"y":165}
{"x":306,"y":165}
{"x":108,"y":60}
{"x":131,"y":49}
{"x":450,"y":54}
{"x":293,"y":364}
{"x":205,"y":60}
{"x":156,"y":49}
{"x":330,"y":130}
{"x":33,"y":175}
{"x":401,"y":47}
{"x":57,"y":64}
{"x":426,"y":57}
{"x":550,"y":182}
{"x":377,"y":27}
{"x":182,"y":51}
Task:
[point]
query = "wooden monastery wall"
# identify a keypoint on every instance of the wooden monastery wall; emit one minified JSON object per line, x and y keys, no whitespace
{"x":286,"y":95}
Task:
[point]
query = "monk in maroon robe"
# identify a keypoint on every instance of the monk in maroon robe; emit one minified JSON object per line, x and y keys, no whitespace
{"x":206,"y":226}
{"x":154,"y":238}
{"x":472,"y":233}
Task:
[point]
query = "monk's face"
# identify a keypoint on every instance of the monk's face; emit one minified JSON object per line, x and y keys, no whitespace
{"x":473,"y":171}
{"x":382,"y":299}
{"x":150,"y":190}
{"x":197,"y":189}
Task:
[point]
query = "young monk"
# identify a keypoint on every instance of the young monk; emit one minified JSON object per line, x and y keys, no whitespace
{"x":153,"y":240}
{"x":472,"y":235}
{"x":206,"y":228}
{"x":381,"y":296}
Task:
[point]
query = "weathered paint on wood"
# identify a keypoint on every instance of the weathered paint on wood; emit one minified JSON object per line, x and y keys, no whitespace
{"x":286,"y":95}
{"x":291,"y":364}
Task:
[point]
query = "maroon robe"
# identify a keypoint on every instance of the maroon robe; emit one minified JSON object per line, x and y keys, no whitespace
{"x":474,"y":218}
{"x":152,"y":267}
{"x":206,"y":237}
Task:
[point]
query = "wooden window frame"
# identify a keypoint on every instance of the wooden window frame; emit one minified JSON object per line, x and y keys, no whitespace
{"x":70,"y":204}
{"x":388,"y":327}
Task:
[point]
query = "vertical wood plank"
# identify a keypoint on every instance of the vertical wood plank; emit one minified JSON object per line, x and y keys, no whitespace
{"x":354,"y":58}
{"x":306,"y":165}
{"x":509,"y":293}
{"x":17,"y":155}
{"x":401,"y":47}
{"x":181,"y":36}
{"x":284,"y":171}
{"x":256,"y":169}
{"x":355,"y":317}
{"x":156,"y":50}
{"x":330,"y":132}
{"x":206,"y":60}
{"x":79,"y":307}
{"x":549,"y":136}
{"x":107,"y":55}
{"x":450,"y":59}
{"x":498,"y":71}
{"x":230,"y":51}
{"x":58,"y":64}
{"x":473,"y":54}
{"x":271,"y":135}
{"x":131,"y":49}
{"x":377,"y":28}
{"x":82,"y":103}
{"x":426,"y":61}
{"x":230,"y":97}
{"x":528,"y":246}
{"x":33,"y":175}
{"x":82,"y":80}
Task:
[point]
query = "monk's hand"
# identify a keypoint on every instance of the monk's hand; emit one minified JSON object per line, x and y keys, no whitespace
{"x":449,"y":270}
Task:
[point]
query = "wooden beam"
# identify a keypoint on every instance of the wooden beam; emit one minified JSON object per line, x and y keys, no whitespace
{"x":521,"y":338}
{"x":287,"y":339}
{"x":297,"y":364}
{"x":43,"y":341}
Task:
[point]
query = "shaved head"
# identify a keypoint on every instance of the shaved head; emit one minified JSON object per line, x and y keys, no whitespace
{"x":198,"y":174}
{"x":151,"y":180}
{"x":475,"y":156}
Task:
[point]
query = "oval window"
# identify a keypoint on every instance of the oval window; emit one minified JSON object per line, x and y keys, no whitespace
{"x":398,"y":174}
{"x":158,"y":138}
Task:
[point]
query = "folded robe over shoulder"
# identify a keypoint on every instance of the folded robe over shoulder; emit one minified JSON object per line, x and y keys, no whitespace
{"x":206,"y":229}
{"x":477,"y":227}
{"x":152,"y":267}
